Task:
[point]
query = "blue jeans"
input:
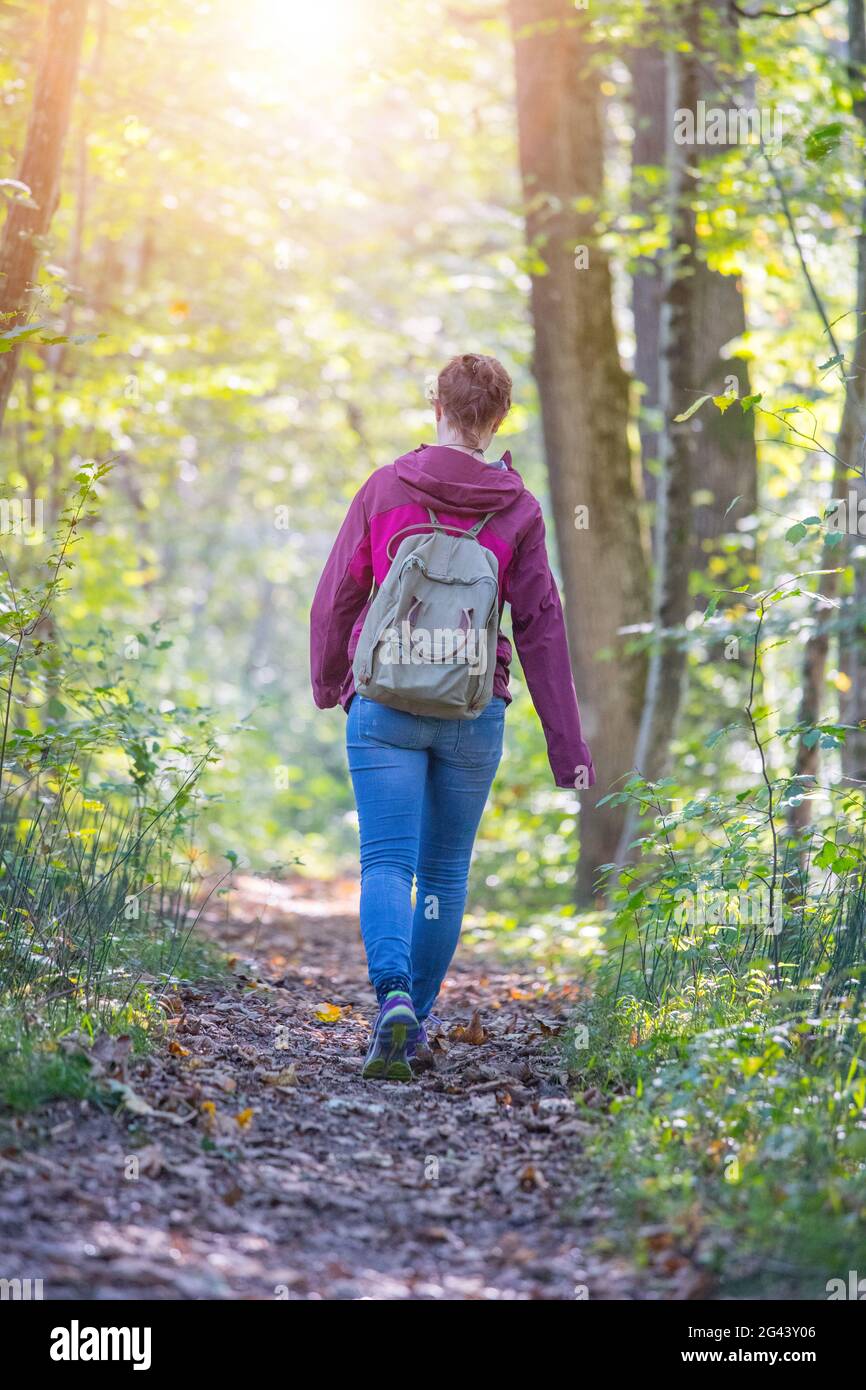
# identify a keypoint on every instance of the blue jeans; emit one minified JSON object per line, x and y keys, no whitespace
{"x":421,"y":785}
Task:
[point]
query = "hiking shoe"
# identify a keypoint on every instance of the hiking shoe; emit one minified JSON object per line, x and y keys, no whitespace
{"x":394,"y":1032}
{"x":422,"y":1038}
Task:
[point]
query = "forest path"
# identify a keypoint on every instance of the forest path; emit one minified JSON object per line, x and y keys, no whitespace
{"x":267,"y":1168}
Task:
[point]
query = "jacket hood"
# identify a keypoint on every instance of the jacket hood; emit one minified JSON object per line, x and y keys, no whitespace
{"x":437,"y":476}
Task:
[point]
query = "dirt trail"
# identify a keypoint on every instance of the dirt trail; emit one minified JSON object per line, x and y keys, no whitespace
{"x":269,"y":1169}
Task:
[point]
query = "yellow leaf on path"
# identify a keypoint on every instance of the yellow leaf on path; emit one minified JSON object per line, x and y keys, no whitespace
{"x":328,"y":1013}
{"x":243,"y":1118}
{"x":176,"y":1050}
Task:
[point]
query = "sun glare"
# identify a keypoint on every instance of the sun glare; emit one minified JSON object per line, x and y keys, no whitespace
{"x":311,"y":30}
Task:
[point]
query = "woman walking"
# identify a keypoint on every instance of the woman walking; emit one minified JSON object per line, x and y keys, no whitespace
{"x":425,"y":741}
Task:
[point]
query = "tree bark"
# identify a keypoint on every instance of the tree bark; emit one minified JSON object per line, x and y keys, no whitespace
{"x":728,"y":454}
{"x":649,"y":150}
{"x":849,"y":449}
{"x":680,"y":327}
{"x":584,"y":396}
{"x":852,"y":444}
{"x":727,"y":441}
{"x":27,"y":222}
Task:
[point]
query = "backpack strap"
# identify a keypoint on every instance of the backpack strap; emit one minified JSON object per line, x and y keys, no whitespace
{"x":473,"y":531}
{"x":479,"y":526}
{"x":435,"y":524}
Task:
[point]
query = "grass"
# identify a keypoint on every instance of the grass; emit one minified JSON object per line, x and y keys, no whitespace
{"x":97,"y":919}
{"x":735,"y":1133}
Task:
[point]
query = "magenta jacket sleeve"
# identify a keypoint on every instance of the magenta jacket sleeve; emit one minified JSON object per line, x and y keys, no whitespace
{"x":341,"y":594}
{"x":539,"y":634}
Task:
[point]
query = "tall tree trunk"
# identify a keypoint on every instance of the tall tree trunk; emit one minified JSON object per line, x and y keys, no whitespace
{"x":728,"y":454}
{"x":679,"y":333}
{"x":584,"y":395}
{"x":849,"y":449}
{"x":57,"y":355}
{"x":28,"y":221}
{"x":649,"y":150}
{"x":852,"y":441}
{"x":728,"y":457}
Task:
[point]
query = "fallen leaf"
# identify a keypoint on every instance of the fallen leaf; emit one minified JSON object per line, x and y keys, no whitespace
{"x":151,"y":1160}
{"x":473,"y":1033}
{"x":176,"y":1050}
{"x":287,"y":1077}
{"x":532,"y":1178}
{"x":549,"y":1030}
{"x":244,"y":1117}
{"x":110,"y":1054}
{"x":328,"y":1013}
{"x":137,"y":1105}
{"x":172,"y":1003}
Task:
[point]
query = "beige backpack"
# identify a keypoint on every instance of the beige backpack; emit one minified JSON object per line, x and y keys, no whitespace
{"x":428,"y":644}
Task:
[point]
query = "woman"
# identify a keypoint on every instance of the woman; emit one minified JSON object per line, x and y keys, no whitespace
{"x":421,"y":783}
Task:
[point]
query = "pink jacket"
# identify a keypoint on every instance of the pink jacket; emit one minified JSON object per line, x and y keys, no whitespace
{"x":460,"y":489}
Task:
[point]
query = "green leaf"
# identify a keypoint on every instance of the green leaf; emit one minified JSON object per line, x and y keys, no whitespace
{"x":687,"y":414}
{"x":831,"y":362}
{"x":824,"y":138}
{"x":711,"y":607}
{"x":14,"y":336}
{"x":829,"y":852}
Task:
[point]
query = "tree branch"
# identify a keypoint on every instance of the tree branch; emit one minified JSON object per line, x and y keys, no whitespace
{"x":777,"y":14}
